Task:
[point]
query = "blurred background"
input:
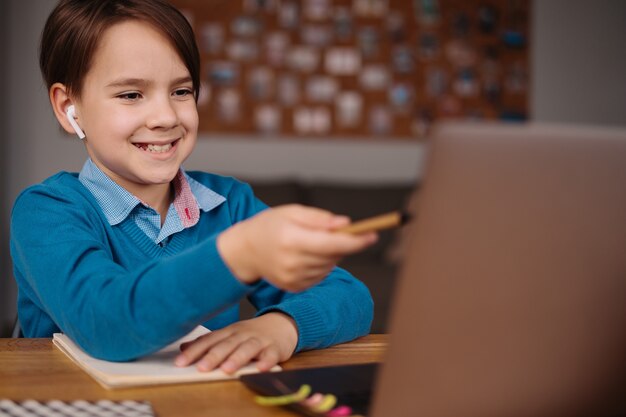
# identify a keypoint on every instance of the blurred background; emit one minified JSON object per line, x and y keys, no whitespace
{"x":330,"y":103}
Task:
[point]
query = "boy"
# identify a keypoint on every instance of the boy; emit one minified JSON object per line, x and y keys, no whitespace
{"x":134,"y":252}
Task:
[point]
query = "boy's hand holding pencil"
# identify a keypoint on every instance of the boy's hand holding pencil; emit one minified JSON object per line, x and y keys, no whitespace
{"x":293,"y":247}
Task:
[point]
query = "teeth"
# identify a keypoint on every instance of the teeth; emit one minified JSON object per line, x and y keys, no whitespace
{"x":159,"y":148}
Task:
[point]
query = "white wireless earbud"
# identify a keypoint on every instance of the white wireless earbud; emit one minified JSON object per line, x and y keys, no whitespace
{"x":71,"y":113}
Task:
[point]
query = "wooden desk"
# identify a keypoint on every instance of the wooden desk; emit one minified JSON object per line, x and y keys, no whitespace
{"x":35,"y":369}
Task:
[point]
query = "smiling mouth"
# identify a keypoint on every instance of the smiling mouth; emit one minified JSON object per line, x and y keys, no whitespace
{"x":153,"y":148}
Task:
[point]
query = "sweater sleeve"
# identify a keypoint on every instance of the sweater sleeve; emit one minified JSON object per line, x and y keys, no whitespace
{"x":337,"y":310}
{"x":64,"y":267}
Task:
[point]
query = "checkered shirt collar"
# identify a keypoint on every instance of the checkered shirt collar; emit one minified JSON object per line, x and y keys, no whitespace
{"x":117,"y":203}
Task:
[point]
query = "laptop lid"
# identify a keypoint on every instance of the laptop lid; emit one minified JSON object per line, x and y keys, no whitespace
{"x":512,"y":297}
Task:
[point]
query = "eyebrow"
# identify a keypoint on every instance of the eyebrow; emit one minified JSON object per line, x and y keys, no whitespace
{"x":140,"y":82}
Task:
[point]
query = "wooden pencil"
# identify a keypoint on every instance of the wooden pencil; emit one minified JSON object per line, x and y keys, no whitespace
{"x":376,"y":223}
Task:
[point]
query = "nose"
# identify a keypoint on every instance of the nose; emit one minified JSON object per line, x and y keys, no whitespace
{"x":162,"y":114}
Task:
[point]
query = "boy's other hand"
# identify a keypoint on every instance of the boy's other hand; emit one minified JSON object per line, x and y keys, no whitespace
{"x":294,"y":247}
{"x":270,"y":339}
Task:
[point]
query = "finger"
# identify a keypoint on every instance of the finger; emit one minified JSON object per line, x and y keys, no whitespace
{"x":303,"y":284}
{"x":336,"y":244}
{"x":241,"y":356}
{"x":193,"y":350}
{"x":298,"y":286}
{"x":183,"y":346}
{"x":314,"y":275}
{"x":201,"y":342}
{"x":317,"y":261}
{"x":267,"y":359}
{"x":303,"y":261}
{"x":313,"y":217}
{"x":218,"y":353}
{"x":305,"y":276}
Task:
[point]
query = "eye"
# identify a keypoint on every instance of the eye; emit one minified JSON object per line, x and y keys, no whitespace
{"x":182,"y":92}
{"x":131,"y":96}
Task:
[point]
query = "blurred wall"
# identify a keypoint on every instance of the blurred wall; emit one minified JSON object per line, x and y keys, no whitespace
{"x":5,"y":286}
{"x":578,"y":76}
{"x":579,"y":61}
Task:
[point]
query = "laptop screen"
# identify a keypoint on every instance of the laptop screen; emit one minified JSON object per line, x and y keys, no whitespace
{"x":512,"y":297}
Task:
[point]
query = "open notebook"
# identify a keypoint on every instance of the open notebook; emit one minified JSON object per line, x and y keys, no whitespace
{"x":154,"y":369}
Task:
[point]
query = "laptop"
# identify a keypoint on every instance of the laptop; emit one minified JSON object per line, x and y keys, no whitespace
{"x":511,"y":299}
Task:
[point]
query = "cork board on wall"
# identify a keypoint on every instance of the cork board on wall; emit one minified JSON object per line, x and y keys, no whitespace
{"x":358,"y":68}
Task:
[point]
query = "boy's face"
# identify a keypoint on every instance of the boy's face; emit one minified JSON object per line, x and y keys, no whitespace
{"x":137,"y":108}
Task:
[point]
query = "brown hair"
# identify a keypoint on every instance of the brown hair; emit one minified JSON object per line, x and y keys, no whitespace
{"x":73,"y":29}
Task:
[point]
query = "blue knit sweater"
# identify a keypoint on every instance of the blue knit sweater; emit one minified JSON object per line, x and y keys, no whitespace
{"x":119,"y":295}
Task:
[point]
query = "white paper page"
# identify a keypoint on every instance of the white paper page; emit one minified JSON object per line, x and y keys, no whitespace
{"x":156,"y":368}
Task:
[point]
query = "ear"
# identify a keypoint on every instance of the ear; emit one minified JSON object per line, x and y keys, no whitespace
{"x":60,"y":100}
